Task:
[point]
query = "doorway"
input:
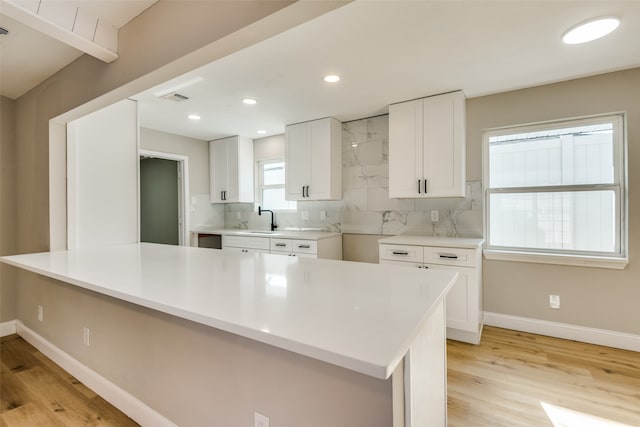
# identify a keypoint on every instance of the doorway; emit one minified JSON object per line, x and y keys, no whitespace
{"x":162,"y":198}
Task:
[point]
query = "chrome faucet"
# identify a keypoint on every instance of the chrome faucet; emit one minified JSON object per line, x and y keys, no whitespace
{"x":273,"y":224}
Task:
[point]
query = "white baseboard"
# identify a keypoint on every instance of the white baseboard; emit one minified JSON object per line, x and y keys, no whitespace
{"x":127,"y":403}
{"x":563,"y":330}
{"x":7,"y":328}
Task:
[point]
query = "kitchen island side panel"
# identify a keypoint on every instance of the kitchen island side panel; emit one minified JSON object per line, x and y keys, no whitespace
{"x":196,"y":375}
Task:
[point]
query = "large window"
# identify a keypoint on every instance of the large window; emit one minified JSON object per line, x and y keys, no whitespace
{"x":557,"y":188}
{"x":271,"y":186}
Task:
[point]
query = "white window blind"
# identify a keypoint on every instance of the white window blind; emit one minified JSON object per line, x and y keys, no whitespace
{"x":557,"y":187}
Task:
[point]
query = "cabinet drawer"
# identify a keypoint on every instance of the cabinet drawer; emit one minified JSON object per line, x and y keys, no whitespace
{"x":305,"y":246}
{"x":281,"y":245}
{"x":450,"y":256}
{"x":246,"y":242}
{"x":401,"y":253}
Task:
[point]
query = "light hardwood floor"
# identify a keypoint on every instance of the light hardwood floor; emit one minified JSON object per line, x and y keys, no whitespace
{"x":507,"y":378}
{"x":35,"y":392}
{"x":502,"y":382}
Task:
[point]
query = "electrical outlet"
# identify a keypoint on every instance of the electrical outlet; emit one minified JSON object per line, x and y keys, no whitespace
{"x":554,"y":301}
{"x":86,"y":337}
{"x":305,"y":215}
{"x":238,"y":215}
{"x":40,"y":313}
{"x":260,"y":420}
{"x":435,"y":216}
{"x":323,"y":215}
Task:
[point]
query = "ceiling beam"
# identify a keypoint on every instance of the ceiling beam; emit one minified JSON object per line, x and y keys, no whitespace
{"x":68,"y":23}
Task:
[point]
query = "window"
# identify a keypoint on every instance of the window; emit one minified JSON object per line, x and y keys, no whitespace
{"x":271,"y":186}
{"x":557,"y":190}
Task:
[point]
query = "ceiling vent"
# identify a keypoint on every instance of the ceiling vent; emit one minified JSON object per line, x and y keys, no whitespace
{"x":175,"y":97}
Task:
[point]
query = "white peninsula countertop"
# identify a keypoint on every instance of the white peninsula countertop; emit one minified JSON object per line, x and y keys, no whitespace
{"x":362,"y":317}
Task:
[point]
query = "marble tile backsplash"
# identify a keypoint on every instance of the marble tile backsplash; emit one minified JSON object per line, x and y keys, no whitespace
{"x":365,"y":207}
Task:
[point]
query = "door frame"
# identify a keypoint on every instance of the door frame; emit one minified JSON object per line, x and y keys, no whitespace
{"x":183,"y":191}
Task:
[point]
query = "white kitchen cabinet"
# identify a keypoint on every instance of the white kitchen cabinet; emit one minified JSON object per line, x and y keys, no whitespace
{"x":245,"y":244}
{"x":464,"y":300}
{"x":291,"y":247}
{"x":427,"y":147}
{"x":231,"y":170}
{"x":313,"y":158}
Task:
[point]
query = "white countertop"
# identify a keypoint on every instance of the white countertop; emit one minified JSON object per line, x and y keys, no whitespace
{"x":359,"y":316}
{"x":280,"y":234}
{"x":419,"y":240}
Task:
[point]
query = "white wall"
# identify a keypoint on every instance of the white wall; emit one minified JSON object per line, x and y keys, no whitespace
{"x":102,"y":177}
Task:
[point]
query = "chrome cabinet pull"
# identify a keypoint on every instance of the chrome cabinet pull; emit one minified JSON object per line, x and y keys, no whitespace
{"x":400,"y":253}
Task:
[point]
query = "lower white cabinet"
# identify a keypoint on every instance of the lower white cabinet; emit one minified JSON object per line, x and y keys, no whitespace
{"x":464,"y":256}
{"x":246,"y":244}
{"x":330,"y":247}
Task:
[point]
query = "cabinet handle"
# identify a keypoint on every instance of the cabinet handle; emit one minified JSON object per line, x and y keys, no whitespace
{"x":449,"y":256}
{"x":304,"y":246}
{"x":307,"y":191}
{"x":419,"y":186}
{"x":281,"y":244}
{"x":400,"y":252}
{"x":303,"y":191}
{"x":425,"y":186}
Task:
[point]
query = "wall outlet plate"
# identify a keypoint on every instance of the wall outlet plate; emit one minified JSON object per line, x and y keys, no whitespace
{"x":260,"y":420}
{"x":305,"y":215}
{"x":40,"y":313}
{"x":435,"y":216}
{"x":323,"y":215}
{"x":554,"y":302}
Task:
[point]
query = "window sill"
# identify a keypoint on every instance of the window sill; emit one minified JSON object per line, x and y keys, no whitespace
{"x":618,"y":263}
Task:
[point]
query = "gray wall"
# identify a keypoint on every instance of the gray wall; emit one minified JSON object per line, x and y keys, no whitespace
{"x":592,"y":297}
{"x":7,"y":206}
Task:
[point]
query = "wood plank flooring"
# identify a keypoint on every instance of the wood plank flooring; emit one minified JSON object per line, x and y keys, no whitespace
{"x":507,"y":378}
{"x":36,"y":392}
{"x":502,"y":382}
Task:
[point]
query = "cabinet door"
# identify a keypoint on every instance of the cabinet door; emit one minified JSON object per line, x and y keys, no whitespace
{"x":218,"y":170}
{"x":443,"y":156}
{"x":462,"y":299}
{"x":298,"y":160}
{"x":405,"y":149}
{"x":232,"y":190}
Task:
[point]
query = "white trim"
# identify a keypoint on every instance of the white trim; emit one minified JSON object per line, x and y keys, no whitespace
{"x":127,"y":403}
{"x":183,"y":196}
{"x":7,"y":328}
{"x":561,"y":259}
{"x":566,"y":331}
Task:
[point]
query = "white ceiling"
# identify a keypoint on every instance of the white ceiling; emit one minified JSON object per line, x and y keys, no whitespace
{"x":391,"y":51}
{"x":28,"y":56}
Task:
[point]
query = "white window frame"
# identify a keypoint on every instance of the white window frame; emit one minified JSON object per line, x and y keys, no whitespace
{"x":617,"y":260}
{"x":260,"y":184}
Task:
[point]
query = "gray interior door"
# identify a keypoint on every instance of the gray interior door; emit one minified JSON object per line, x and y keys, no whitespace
{"x":159,"y":204}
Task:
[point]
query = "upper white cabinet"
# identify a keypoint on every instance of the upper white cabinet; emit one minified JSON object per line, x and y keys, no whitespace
{"x":231,"y":170}
{"x":313,"y":158}
{"x":427,"y":147}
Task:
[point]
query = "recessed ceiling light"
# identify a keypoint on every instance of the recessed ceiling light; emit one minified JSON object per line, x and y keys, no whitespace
{"x":249,"y":101}
{"x":590,"y":30}
{"x":332,"y":78}
{"x":194,"y":116}
{"x":262,"y":132}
